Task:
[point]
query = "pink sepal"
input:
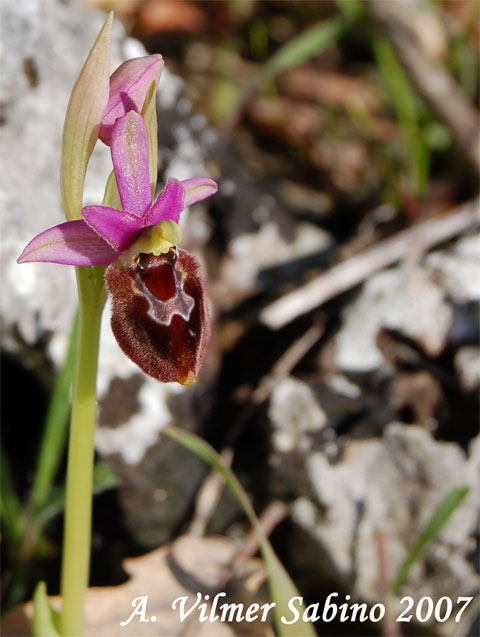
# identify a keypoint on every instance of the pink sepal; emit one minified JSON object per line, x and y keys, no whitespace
{"x":70,"y":243}
{"x":169,"y":204}
{"x":197,"y":189}
{"x":128,"y":88}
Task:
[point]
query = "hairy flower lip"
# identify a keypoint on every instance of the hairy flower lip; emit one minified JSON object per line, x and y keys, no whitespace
{"x":164,"y":334}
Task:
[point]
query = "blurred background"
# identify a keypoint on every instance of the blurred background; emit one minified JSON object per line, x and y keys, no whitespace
{"x":343,"y":271}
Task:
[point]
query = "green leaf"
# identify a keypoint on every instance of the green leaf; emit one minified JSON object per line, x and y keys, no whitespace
{"x":103,"y":479}
{"x":306,"y":45}
{"x":282,"y":589}
{"x":45,"y":619}
{"x":10,"y":508}
{"x":353,"y":9}
{"x":404,"y":102}
{"x":299,"y":49}
{"x":440,"y":517}
{"x":56,"y":427}
{"x":436,"y":136}
{"x":149,"y":114}
{"x":258,"y":39}
{"x":85,"y":110}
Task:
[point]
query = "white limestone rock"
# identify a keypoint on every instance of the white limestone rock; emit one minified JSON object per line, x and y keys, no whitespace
{"x":393,"y":485}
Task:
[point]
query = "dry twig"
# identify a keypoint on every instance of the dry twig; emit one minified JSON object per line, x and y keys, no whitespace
{"x":275,"y":512}
{"x":209,"y":494}
{"x":390,"y":627}
{"x":350,"y":273}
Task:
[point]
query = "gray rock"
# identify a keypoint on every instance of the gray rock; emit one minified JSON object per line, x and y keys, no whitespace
{"x":294,"y":414}
{"x":458,"y":269}
{"x":249,"y":253}
{"x":415,"y":300}
{"x":392,"y":485}
{"x":467,"y":364}
{"x":405,"y":299}
{"x":43,"y":48}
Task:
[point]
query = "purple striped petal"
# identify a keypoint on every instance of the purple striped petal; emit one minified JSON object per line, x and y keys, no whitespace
{"x":197,"y":189}
{"x":128,"y":88}
{"x":129,"y":149}
{"x":169,"y":204}
{"x":70,"y":243}
{"x":117,"y":227}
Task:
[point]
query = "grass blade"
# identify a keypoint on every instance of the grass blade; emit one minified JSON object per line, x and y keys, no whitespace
{"x":299,"y":49}
{"x":56,"y":428}
{"x":282,"y":589}
{"x":353,"y":9}
{"x":440,"y":517}
{"x":10,"y":507}
{"x":305,"y":46}
{"x":103,"y":479}
{"x":403,"y":98}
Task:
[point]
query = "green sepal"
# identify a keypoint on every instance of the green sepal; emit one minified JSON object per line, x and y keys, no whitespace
{"x":85,"y":110}
{"x":149,"y":114}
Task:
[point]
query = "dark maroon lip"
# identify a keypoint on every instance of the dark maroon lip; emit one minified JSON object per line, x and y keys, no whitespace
{"x":160,"y":314}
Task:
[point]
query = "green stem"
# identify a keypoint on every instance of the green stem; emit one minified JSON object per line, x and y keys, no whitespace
{"x":78,"y":513}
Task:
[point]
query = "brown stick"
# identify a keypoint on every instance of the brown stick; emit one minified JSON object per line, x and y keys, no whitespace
{"x":209,"y":495}
{"x":390,"y":626}
{"x":275,"y":512}
{"x":287,"y":361}
{"x":350,"y":273}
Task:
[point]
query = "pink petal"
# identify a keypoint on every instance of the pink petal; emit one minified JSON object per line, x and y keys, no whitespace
{"x":169,"y":204}
{"x":129,"y":149}
{"x":70,"y":243}
{"x":197,"y":189}
{"x":117,"y":227}
{"x":128,"y":88}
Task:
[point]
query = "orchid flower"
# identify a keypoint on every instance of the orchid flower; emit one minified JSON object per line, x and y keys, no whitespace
{"x":129,"y":245}
{"x":97,"y":101}
{"x":160,"y":315}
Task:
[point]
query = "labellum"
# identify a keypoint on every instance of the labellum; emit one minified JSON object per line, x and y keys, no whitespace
{"x":160,"y":314}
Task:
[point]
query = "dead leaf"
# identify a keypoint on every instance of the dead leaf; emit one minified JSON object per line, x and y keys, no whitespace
{"x":328,"y":87}
{"x":124,"y":9}
{"x":293,"y":121}
{"x":189,"y":566}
